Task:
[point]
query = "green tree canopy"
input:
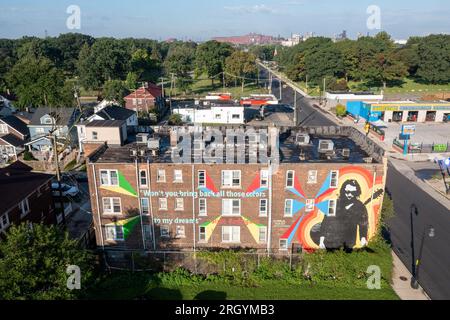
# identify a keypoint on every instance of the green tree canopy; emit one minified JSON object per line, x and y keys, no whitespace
{"x":210,"y":58}
{"x":115,"y":90}
{"x":241,"y":65}
{"x":434,"y":59}
{"x":34,"y":261}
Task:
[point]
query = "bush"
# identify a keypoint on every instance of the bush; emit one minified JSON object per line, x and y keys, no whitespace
{"x":28,"y":156}
{"x":175,"y":120}
{"x":341,"y":110}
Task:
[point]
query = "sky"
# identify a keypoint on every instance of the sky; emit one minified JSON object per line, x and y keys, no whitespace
{"x":200,"y":20}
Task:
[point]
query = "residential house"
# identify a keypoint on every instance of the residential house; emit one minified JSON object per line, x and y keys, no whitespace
{"x":111,"y":132}
{"x":26,"y":196}
{"x":14,"y":134}
{"x":58,"y":121}
{"x":107,"y":113}
{"x":145,"y":99}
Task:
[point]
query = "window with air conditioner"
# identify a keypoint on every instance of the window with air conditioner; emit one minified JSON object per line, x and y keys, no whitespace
{"x":290,"y":179}
{"x":109,"y":178}
{"x":231,"y":234}
{"x":231,"y":207}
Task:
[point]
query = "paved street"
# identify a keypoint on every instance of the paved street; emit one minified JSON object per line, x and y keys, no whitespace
{"x":308,"y":115}
{"x":434,"y":274}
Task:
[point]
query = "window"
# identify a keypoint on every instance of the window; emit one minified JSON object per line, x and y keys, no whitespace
{"x":288,"y":208}
{"x":231,"y":178}
{"x":202,"y":209}
{"x":179,"y":204}
{"x":202,"y":234}
{"x":290,"y":179}
{"x":109,"y":178}
{"x":177,"y":176}
{"x":4,"y":222}
{"x":264,"y":181}
{"x":162,"y":203}
{"x":262,"y":234}
{"x":40,"y":130}
{"x":164,"y":231}
{"x":143,"y":178}
{"x":112,"y":205}
{"x":180,"y":232}
{"x":231,"y":207}
{"x":332,"y":208}
{"x":134,"y":101}
{"x":24,"y":207}
{"x":3,"y":128}
{"x":145,"y":206}
{"x":263,"y":207}
{"x":283,"y":244}
{"x":218,"y":116}
{"x":235,"y":116}
{"x":309,"y":205}
{"x":312,"y":176}
{"x":114,"y":233}
{"x":148,"y":235}
{"x":334,"y":179}
{"x":201,"y":179}
{"x":161,"y":175}
{"x":231,"y":234}
{"x":94,"y":135}
{"x":47,"y":121}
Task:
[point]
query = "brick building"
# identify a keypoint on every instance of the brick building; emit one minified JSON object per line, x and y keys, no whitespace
{"x":145,"y":99}
{"x":310,"y":199}
{"x":26,"y":196}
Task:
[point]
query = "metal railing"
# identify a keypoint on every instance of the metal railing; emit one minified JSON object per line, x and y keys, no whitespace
{"x":415,"y":147}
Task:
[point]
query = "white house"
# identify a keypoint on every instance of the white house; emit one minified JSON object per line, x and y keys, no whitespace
{"x":213,"y":114}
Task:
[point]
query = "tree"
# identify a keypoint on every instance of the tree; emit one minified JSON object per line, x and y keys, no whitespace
{"x":179,"y":61}
{"x":115,"y":90}
{"x":384,"y":68}
{"x":175,"y":120}
{"x":210,"y":58}
{"x":241,"y":65}
{"x":34,"y":260}
{"x":144,"y":66}
{"x":36,"y":82}
{"x":434,"y":59}
{"x":322,"y":63}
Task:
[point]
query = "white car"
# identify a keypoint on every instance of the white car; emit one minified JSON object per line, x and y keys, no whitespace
{"x":67,"y":190}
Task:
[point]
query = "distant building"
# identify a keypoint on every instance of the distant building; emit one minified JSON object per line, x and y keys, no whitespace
{"x":145,"y":99}
{"x":218,"y":113}
{"x":249,"y":39}
{"x":26,"y":196}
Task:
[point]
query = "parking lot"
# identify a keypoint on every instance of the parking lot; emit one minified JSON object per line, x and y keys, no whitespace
{"x":427,"y":133}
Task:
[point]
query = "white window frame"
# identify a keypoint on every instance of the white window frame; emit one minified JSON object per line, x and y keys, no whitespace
{"x":24,"y":206}
{"x":160,"y":177}
{"x":314,"y":174}
{"x":227,"y":181}
{"x":177,"y":173}
{"x":179,"y":234}
{"x":291,"y":201}
{"x":143,"y":185}
{"x":109,"y":178}
{"x":265,"y":234}
{"x":334,"y":185}
{"x":283,"y":247}
{"x":231,"y":231}
{"x":230,"y":213}
{"x":264,"y":178}
{"x":202,"y":213}
{"x":201,"y":185}
{"x":332,"y":203}
{"x":164,"y":231}
{"x":114,"y":228}
{"x":111,"y":204}
{"x":287,"y":178}
{"x":201,"y":234}
{"x":263,"y":213}
{"x":142,"y":200}
{"x":160,"y":202}
{"x":310,"y":205}
{"x":4,"y":225}
{"x":179,"y":201}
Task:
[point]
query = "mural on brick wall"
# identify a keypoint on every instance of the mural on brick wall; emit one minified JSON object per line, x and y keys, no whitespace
{"x":345,"y":216}
{"x":123,"y":187}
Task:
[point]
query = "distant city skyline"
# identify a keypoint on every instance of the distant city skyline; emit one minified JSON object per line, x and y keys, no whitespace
{"x":201,"y":20}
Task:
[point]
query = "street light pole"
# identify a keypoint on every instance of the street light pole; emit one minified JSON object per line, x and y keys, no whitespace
{"x":415,"y":279}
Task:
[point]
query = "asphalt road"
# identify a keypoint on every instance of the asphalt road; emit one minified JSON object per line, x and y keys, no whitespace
{"x":307,"y":115}
{"x":406,"y":237}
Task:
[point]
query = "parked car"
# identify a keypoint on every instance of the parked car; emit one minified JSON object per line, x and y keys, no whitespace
{"x":67,"y":190}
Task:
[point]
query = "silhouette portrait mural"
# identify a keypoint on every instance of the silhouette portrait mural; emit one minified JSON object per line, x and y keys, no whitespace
{"x":345,"y":215}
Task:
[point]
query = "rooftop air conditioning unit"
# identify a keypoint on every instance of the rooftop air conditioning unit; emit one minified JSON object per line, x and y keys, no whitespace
{"x":346,"y":153}
{"x":153,"y":143}
{"x":326,"y":146}
{"x":302,"y":139}
{"x":133,"y":152}
{"x":142,"y":138}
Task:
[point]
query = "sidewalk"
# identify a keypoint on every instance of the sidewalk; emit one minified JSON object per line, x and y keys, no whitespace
{"x":401,"y":282}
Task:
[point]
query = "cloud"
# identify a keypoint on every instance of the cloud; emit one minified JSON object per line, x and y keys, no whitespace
{"x":257,"y":8}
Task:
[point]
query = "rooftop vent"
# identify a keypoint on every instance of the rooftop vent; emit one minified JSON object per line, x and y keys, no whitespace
{"x":302,"y":139}
{"x":153,"y":143}
{"x":326,"y":146}
{"x":346,"y":153}
{"x":142,"y":138}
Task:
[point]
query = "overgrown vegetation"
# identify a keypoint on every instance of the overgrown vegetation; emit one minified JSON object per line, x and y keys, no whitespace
{"x":341,"y":110}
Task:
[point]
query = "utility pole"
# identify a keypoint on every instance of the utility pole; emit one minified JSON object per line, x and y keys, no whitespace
{"x":223,"y":81}
{"x":77,"y":97}
{"x":306,"y":83}
{"x":58,"y":177}
{"x":295,"y":107}
{"x":281,"y":90}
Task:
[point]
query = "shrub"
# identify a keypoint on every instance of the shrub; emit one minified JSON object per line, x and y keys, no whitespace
{"x":28,"y":156}
{"x":341,"y":110}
